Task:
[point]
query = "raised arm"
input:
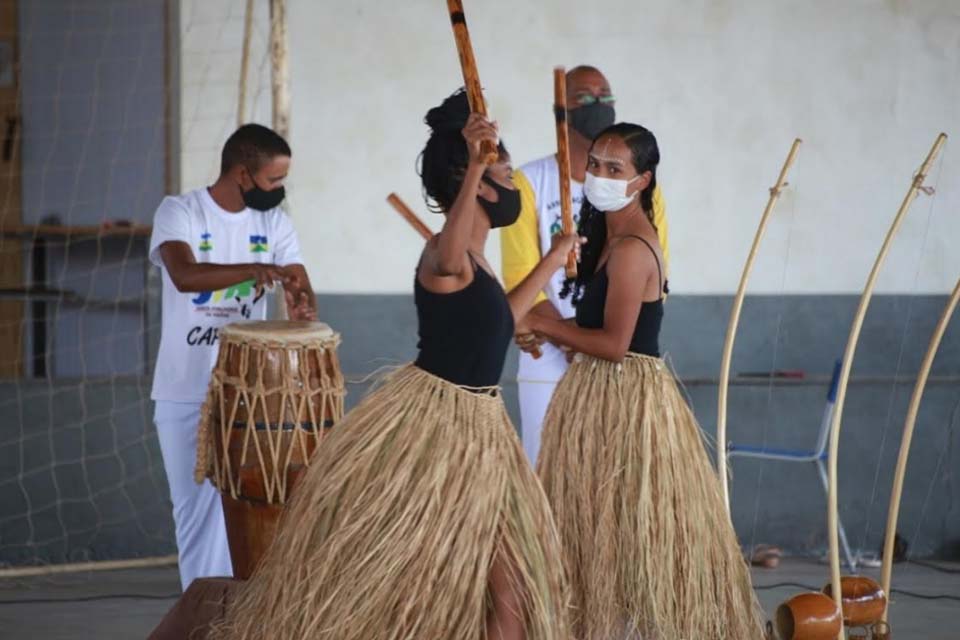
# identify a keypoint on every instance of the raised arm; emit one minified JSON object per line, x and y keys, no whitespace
{"x":446,"y":256}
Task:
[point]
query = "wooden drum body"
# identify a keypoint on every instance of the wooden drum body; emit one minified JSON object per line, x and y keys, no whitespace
{"x":275,"y":388}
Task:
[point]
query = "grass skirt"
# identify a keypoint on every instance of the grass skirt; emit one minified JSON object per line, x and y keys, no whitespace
{"x":649,"y":549}
{"x":392,"y":531}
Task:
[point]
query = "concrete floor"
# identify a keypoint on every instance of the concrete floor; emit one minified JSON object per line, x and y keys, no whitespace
{"x":149,"y":593}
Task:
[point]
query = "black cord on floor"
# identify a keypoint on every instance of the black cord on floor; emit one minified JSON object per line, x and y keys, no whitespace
{"x":934,"y":566}
{"x":902,"y":592}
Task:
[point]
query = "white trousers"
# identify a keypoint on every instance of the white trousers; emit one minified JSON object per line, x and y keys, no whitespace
{"x":536,"y":380}
{"x":197,"y":511}
{"x":534,"y":399}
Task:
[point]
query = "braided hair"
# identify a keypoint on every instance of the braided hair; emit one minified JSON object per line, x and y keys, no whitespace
{"x":443,"y":161}
{"x":593,"y":225}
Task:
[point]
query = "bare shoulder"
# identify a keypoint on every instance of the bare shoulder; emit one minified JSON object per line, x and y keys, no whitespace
{"x":636,"y":255}
{"x":433,"y":279}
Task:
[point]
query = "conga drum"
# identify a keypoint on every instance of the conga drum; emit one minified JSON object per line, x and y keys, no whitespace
{"x":276,"y":387}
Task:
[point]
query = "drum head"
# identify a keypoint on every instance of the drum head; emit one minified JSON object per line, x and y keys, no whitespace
{"x":279,"y":331}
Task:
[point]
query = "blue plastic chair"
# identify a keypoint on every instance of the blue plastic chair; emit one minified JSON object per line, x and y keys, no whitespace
{"x":817,"y":455}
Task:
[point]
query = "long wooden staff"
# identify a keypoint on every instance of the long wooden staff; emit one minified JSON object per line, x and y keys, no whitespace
{"x":849,"y":353}
{"x":893,"y":513}
{"x":280,"y":67}
{"x":401,"y":207}
{"x":735,"y":320}
{"x":471,"y":78}
{"x":245,"y":64}
{"x":563,"y":160}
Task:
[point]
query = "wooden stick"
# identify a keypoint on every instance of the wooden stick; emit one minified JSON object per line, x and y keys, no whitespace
{"x":735,"y":321}
{"x":471,"y":77}
{"x":886,"y":573}
{"x":563,"y":160}
{"x":78,"y":567}
{"x":849,"y":353}
{"x":279,"y":65}
{"x":401,"y":207}
{"x":245,"y":64}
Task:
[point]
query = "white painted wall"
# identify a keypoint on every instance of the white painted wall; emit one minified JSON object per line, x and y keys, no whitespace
{"x":725,"y":84}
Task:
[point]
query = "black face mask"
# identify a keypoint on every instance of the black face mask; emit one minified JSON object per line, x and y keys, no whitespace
{"x":261,"y":200}
{"x":505,"y":211}
{"x":591,"y":119}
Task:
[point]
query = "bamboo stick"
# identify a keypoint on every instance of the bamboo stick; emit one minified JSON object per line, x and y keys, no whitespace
{"x":893,"y":513}
{"x":279,"y":65}
{"x":849,"y":353}
{"x":245,"y":64}
{"x":563,"y":161}
{"x":471,"y":77}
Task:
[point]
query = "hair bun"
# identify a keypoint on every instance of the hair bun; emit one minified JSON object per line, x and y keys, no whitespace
{"x":451,"y":116}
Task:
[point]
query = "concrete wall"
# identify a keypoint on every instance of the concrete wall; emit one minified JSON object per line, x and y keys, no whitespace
{"x":725,"y":85}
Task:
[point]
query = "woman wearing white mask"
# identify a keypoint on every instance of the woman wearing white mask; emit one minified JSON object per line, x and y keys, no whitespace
{"x":648,"y":546}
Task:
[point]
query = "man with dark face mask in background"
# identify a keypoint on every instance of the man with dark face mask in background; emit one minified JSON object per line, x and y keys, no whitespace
{"x":217,"y":248}
{"x":590,"y":110}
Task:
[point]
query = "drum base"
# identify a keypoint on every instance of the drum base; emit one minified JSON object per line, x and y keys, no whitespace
{"x":251,"y":528}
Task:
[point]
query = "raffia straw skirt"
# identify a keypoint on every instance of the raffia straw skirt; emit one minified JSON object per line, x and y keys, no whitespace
{"x":392,"y":531}
{"x":649,"y":549}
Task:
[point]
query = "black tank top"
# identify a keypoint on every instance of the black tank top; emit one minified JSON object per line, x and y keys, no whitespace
{"x":646,"y":334}
{"x":464,"y":335}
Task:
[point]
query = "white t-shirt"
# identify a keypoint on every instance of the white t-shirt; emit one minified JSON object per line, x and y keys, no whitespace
{"x":191,"y":321}
{"x":544,"y":178}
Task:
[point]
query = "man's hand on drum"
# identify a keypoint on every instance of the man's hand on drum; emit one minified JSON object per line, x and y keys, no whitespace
{"x":298,"y":305}
{"x":268,"y":274}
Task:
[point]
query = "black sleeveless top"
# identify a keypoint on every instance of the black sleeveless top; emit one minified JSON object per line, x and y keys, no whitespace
{"x":646,"y":334}
{"x":464,"y":335}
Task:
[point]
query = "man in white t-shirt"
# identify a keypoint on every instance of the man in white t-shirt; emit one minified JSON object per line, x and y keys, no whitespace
{"x":217,"y":248}
{"x":590,"y":110}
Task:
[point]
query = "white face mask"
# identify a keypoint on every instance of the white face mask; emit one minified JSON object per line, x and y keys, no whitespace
{"x":607,"y":194}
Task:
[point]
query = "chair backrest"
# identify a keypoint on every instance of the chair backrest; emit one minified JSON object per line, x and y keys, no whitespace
{"x":827,"y":418}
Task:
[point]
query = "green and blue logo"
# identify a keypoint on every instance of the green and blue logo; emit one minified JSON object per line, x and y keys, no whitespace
{"x":244,"y":294}
{"x":237,"y":292}
{"x":258,"y":244}
{"x":205,"y":244}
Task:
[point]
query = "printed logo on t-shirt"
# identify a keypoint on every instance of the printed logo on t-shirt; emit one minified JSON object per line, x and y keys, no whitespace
{"x":237,"y":299}
{"x":205,"y":244}
{"x":258,"y":244}
{"x":553,"y":209}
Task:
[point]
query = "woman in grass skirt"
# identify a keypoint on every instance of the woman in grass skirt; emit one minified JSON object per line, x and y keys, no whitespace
{"x":419,"y":516}
{"x":649,"y":549}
